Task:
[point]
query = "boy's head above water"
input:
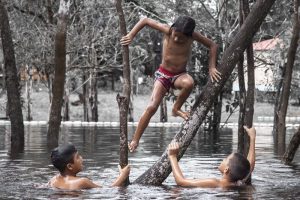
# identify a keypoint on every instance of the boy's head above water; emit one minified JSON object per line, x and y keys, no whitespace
{"x":66,"y":158}
{"x":185,"y":25}
{"x":235,"y":166}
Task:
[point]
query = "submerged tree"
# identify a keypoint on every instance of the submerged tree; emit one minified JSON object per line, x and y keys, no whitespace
{"x":246,"y":99}
{"x":279,"y":128}
{"x":123,"y":101}
{"x":292,"y":148}
{"x":162,"y":168}
{"x":12,"y":82}
{"x":60,"y":74}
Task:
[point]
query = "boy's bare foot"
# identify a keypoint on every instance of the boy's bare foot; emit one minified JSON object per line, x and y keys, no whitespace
{"x":132,"y":146}
{"x":180,"y":113}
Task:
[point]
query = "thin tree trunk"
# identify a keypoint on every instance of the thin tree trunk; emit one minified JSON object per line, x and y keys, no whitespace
{"x":93,"y":88}
{"x":162,"y":168}
{"x":112,"y":82}
{"x":66,"y":116}
{"x":12,"y":82}
{"x":292,"y":148}
{"x":126,"y":92}
{"x":277,"y":103}
{"x":285,"y":94}
{"x":93,"y":97}
{"x":28,"y":93}
{"x":163,"y":110}
{"x":249,"y":108}
{"x":60,"y":74}
{"x":85,"y":99}
{"x":217,"y":114}
{"x":242,"y":91}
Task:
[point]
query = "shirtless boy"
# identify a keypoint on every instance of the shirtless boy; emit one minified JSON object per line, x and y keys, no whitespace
{"x":235,"y":168}
{"x":172,"y":72}
{"x":69,"y":162}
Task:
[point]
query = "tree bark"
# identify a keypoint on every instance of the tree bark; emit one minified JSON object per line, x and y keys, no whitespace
{"x":217,"y":114}
{"x":249,"y":108}
{"x":60,"y":74}
{"x":242,"y":90}
{"x":85,"y":98}
{"x":277,"y":98}
{"x":93,"y":87}
{"x":279,"y":128}
{"x":125,"y":98}
{"x":292,"y":148}
{"x":12,"y":82}
{"x":123,"y":103}
{"x":66,"y":116}
{"x":28,"y":93}
{"x":93,"y":97}
{"x":162,"y":168}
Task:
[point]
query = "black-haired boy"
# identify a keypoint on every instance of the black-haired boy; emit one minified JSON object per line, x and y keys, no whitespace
{"x":235,"y":168}
{"x":172,"y":73}
{"x":68,"y":161}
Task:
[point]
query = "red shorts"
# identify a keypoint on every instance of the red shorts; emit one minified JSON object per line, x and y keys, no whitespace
{"x":166,"y":77}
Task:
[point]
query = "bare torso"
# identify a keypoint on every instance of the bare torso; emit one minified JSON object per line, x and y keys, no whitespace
{"x":175,"y":55}
{"x":68,"y":182}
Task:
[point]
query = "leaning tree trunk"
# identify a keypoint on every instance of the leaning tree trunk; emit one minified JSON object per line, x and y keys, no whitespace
{"x":12,"y":82}
{"x":162,"y":168}
{"x":60,"y":74}
{"x":123,"y":101}
{"x":279,"y":128}
{"x":292,"y":148}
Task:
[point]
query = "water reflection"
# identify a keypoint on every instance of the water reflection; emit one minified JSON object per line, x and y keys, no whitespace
{"x":100,"y":150}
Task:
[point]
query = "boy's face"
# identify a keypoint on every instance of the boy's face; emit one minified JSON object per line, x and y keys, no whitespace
{"x":77,"y":163}
{"x":225,"y":163}
{"x":178,"y":37}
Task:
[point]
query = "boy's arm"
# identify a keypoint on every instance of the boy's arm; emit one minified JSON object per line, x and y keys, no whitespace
{"x":251,"y":154}
{"x":215,"y":75}
{"x":179,"y":178}
{"x":124,"y":173}
{"x":126,"y":40}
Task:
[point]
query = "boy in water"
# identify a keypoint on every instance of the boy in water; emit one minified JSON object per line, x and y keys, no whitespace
{"x":69,"y":162}
{"x":172,"y":72}
{"x":235,"y":168}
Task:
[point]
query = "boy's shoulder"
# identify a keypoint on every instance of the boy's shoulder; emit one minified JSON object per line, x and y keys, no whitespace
{"x":71,"y":183}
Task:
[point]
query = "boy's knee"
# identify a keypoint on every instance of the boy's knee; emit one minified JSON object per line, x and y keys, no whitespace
{"x":151,"y":108}
{"x":188,"y":84}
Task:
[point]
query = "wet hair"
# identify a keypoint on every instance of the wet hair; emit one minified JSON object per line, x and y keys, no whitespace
{"x":63,"y":155}
{"x":239,"y":167}
{"x":184,"y":24}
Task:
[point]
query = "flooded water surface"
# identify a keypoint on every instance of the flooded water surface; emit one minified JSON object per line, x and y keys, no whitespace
{"x":23,"y":175}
